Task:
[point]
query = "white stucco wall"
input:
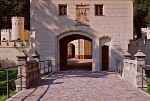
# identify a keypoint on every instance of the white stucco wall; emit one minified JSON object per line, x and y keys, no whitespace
{"x":116,"y":23}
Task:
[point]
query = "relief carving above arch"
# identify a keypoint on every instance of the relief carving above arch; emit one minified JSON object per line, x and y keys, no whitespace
{"x":82,"y":15}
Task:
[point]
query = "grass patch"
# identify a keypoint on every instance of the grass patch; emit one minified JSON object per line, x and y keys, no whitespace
{"x":147,"y":92}
{"x":43,"y":75}
{"x":4,"y":97}
{"x":12,"y":75}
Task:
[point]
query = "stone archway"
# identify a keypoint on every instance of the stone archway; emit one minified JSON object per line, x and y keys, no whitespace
{"x":64,"y":39}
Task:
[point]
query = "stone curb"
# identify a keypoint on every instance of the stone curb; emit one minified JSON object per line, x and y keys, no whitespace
{"x":133,"y":85}
{"x":119,"y":75}
{"x":47,"y":75}
{"x":144,"y":92}
{"x":15,"y":95}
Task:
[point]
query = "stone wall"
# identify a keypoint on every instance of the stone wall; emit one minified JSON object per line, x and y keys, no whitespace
{"x":9,"y":51}
{"x":134,"y":46}
{"x":7,"y":34}
{"x":132,"y":70}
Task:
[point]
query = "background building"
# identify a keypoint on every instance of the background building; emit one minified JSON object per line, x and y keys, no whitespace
{"x":13,"y":41}
{"x":17,"y":31}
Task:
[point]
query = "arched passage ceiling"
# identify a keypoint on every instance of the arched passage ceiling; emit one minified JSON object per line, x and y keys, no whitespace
{"x":70,"y":38}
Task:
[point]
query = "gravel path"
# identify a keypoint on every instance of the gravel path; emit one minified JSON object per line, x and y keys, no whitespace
{"x":82,"y":86}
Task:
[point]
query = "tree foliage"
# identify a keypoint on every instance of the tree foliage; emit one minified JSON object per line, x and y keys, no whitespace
{"x":10,"y":8}
{"x":141,"y":15}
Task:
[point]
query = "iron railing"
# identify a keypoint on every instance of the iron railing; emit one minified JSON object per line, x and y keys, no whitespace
{"x":47,"y":65}
{"x":143,"y":77}
{"x":119,"y":66}
{"x":7,"y":69}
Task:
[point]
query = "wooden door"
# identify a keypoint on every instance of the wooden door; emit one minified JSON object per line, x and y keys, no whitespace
{"x":105,"y":57}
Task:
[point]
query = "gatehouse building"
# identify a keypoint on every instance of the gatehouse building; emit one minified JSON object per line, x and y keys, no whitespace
{"x":97,"y":30}
{"x":106,"y":24}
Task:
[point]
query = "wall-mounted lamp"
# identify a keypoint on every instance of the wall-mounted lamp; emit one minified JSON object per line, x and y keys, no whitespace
{"x":135,"y":36}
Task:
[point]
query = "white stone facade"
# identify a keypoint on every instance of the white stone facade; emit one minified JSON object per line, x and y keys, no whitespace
{"x":113,"y":29}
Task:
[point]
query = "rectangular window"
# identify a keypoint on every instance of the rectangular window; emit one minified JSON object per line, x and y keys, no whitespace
{"x":99,"y":10}
{"x":62,"y":9}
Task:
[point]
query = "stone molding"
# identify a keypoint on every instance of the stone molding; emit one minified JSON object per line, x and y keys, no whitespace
{"x":105,"y":37}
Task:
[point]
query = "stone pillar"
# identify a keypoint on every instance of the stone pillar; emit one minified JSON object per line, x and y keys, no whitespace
{"x":96,"y":56}
{"x":140,"y":57}
{"x":127,"y":56}
{"x":36,"y":56}
{"x":22,"y":59}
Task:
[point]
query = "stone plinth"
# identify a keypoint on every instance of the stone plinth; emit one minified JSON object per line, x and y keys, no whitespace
{"x":140,"y":57}
{"x":22,"y":71}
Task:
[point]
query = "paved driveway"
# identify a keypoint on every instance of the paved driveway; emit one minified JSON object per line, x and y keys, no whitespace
{"x":82,"y":86}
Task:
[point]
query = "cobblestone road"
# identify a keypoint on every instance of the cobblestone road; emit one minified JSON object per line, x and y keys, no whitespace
{"x":82,"y":86}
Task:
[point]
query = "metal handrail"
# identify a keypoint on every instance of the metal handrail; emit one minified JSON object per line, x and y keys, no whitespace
{"x":7,"y":76}
{"x":45,"y":65}
{"x":11,"y":80}
{"x":144,"y":78}
{"x":5,"y":68}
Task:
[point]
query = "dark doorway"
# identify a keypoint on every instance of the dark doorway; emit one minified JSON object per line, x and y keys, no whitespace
{"x":73,"y":51}
{"x":105,"y":57}
{"x":74,"y":64}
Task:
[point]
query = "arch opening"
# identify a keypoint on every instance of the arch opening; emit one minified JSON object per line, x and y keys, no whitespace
{"x":71,"y":50}
{"x":75,"y":52}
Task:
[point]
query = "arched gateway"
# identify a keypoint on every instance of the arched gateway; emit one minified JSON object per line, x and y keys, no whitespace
{"x":62,"y":41}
